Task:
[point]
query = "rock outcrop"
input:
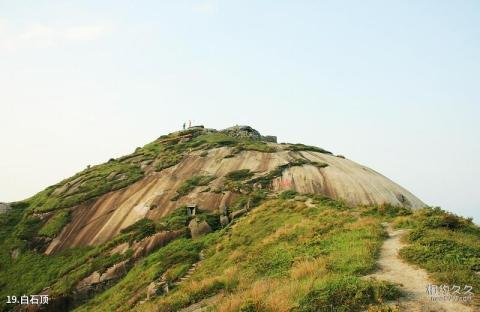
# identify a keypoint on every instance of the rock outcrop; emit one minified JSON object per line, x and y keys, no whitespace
{"x":97,"y":220}
{"x":149,"y":244}
{"x":198,"y":228}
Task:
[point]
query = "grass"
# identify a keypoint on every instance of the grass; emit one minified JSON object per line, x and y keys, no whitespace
{"x":26,"y":228}
{"x":139,"y":230}
{"x":252,"y":199}
{"x":446,"y":245}
{"x":239,"y":175}
{"x":346,"y":293}
{"x":191,"y":183}
{"x":167,"y":159}
{"x":303,"y":147}
{"x":180,"y":253}
{"x":55,"y":224}
{"x":288,"y":194}
{"x":282,"y":255}
{"x":92,"y":182}
{"x":265,"y":181}
{"x":31,"y":272}
{"x":387,"y":211}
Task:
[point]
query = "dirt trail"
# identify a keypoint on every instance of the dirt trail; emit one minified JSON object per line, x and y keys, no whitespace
{"x":413,"y":280}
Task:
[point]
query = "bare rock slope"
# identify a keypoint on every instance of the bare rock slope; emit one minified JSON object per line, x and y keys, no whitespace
{"x":208,"y":153}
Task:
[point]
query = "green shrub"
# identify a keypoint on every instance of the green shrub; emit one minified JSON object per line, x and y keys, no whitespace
{"x":303,"y":147}
{"x":347,"y":293}
{"x":140,"y":229}
{"x":55,"y":224}
{"x":446,"y":245}
{"x":28,"y":228}
{"x":176,"y":220}
{"x":212,"y":219}
{"x":241,"y":174}
{"x":388,"y":210}
{"x":288,"y":194}
{"x":94,"y":181}
{"x":190,"y":184}
{"x":167,"y":160}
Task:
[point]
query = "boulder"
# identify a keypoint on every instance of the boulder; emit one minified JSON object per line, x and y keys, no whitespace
{"x":237,"y":213}
{"x":224,"y":220}
{"x":120,"y":249}
{"x":88,"y":281}
{"x":243,"y":132}
{"x":198,"y":228}
{"x":149,"y":244}
{"x":115,"y":271}
{"x":222,"y":210}
{"x":157,"y":288}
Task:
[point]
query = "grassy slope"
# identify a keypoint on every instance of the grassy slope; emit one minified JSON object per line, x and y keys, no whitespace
{"x":22,"y":232}
{"x":445,"y":245}
{"x":281,"y":256}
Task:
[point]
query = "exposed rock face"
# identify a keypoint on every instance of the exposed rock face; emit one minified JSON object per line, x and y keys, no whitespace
{"x":98,"y":220}
{"x":146,"y":246}
{"x":88,"y":281}
{"x":198,"y":228}
{"x":115,"y":271}
{"x":120,"y":249}
{"x":97,"y":281}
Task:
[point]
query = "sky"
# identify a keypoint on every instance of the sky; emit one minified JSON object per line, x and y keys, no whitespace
{"x":393,"y":85}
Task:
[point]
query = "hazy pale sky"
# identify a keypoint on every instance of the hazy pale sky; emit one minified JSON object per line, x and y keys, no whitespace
{"x":393,"y":85}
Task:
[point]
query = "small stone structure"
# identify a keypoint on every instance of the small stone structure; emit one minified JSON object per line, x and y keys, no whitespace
{"x":248,"y":132}
{"x":191,"y":210}
{"x":270,"y":138}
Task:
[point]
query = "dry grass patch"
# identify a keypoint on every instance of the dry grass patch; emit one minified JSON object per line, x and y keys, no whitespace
{"x":263,"y":295}
{"x":309,"y":268}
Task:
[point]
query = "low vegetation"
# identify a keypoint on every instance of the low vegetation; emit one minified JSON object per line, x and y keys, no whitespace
{"x":55,"y":224}
{"x":239,"y":175}
{"x":288,"y":194}
{"x":282,"y":256}
{"x":444,"y":244}
{"x":266,"y":180}
{"x":289,"y":252}
{"x":303,"y":147}
{"x":193,"y":182}
{"x":92,"y":182}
